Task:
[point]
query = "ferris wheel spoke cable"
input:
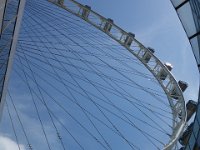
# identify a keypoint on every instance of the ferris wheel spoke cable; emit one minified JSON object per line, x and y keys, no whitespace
{"x":98,"y":108}
{"x":13,"y":126}
{"x":37,"y":67}
{"x":20,"y":121}
{"x":127,"y":59}
{"x":180,"y":123}
{"x":31,"y":60}
{"x":139,"y":73}
{"x":47,"y":61}
{"x":87,"y":91}
{"x":50,"y":112}
{"x":99,"y":43}
{"x":73,"y":98}
{"x":60,"y":105}
{"x":72,"y":28}
{"x":87,"y":110}
{"x":121,"y":56}
{"x":59,"y":15}
{"x":92,"y":99}
{"x":37,"y":112}
{"x":31,"y":50}
{"x":52,"y":121}
{"x":84,"y":128}
{"x":94,"y":56}
{"x":132,"y":68}
{"x":45,"y":57}
{"x":35,"y":104}
{"x":90,"y":113}
{"x":45,"y":104}
{"x":131,"y":72}
{"x":119,"y":87}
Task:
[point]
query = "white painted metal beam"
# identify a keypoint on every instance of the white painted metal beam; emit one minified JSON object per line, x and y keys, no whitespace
{"x":11,"y":54}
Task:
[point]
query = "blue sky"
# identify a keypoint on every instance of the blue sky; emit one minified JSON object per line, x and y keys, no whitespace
{"x":155,"y":24}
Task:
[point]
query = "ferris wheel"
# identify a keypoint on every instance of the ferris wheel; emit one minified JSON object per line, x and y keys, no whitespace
{"x":88,"y":84}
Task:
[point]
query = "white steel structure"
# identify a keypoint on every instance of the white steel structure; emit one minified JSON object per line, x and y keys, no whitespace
{"x":9,"y":29}
{"x":161,"y":72}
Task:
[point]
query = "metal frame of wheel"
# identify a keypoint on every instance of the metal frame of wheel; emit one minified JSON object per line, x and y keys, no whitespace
{"x":154,"y":65}
{"x":17,"y":20}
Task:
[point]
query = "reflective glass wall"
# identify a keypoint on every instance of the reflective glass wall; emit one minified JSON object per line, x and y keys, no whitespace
{"x":189,"y":14}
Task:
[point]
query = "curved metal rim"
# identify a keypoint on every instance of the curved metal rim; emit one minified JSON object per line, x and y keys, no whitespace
{"x":106,"y":25}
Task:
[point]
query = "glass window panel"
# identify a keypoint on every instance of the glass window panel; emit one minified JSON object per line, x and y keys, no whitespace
{"x":198,"y":113}
{"x":2,"y":4}
{"x":195,"y":5}
{"x":198,"y":141}
{"x":185,"y":14}
{"x":192,"y":141}
{"x":195,"y":47}
{"x":196,"y":128}
{"x":177,"y":2}
{"x":188,"y":147}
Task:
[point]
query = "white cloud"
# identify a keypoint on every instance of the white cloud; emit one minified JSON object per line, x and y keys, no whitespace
{"x":8,"y":144}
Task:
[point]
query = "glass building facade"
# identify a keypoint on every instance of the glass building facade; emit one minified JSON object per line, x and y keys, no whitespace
{"x":10,"y":18}
{"x":189,"y":14}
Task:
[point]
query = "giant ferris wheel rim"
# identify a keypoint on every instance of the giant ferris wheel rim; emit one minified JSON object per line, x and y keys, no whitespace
{"x":176,"y":102}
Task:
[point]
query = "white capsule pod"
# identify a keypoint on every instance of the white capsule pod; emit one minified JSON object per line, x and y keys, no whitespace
{"x":183,"y":86}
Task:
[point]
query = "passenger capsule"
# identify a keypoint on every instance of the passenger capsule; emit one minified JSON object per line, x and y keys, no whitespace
{"x":183,"y":85}
{"x":186,"y":135}
{"x":191,"y":108}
